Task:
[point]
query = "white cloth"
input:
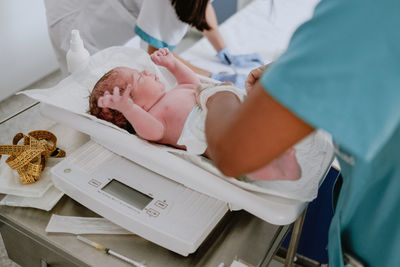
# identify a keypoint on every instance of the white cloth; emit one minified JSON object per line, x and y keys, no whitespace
{"x":101,"y":23}
{"x":158,"y":24}
{"x":46,"y":202}
{"x":193,"y":132}
{"x":83,"y":225}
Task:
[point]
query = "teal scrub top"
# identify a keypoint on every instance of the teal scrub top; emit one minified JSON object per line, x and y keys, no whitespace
{"x":341,"y":73}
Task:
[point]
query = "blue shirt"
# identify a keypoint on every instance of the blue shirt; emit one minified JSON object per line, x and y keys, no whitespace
{"x":341,"y":73}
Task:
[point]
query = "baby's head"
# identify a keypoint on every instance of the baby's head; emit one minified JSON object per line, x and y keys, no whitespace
{"x":107,"y":83}
{"x":147,"y":90}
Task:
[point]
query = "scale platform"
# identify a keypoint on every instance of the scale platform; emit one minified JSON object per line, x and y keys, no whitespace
{"x":138,"y":199}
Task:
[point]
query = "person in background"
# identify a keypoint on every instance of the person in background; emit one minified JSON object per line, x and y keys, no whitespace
{"x":159,"y":23}
{"x":345,"y":80}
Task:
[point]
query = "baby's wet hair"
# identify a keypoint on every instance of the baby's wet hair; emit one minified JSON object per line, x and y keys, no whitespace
{"x":107,"y":83}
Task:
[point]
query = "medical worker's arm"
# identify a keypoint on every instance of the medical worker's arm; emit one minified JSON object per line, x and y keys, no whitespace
{"x":182,"y":73}
{"x":217,"y":41}
{"x":145,"y":125}
{"x":213,"y":35}
{"x":243,"y":137}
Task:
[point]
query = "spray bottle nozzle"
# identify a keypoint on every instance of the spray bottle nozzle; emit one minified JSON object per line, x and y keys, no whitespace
{"x":75,"y":39}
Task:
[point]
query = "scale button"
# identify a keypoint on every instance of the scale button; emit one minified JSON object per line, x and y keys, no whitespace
{"x":152,"y":212}
{"x":161,"y":204}
{"x":94,"y":183}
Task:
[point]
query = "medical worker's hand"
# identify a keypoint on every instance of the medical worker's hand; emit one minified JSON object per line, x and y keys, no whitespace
{"x":242,"y":61}
{"x":235,"y":79}
{"x":116,"y":100}
{"x":163,"y":57}
{"x":254,"y":76}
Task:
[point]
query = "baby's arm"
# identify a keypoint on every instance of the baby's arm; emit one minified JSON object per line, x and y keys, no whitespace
{"x":145,"y":125}
{"x":182,"y":73}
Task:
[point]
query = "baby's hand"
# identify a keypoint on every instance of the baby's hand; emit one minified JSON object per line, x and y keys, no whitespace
{"x":116,"y":101}
{"x":163,"y":57}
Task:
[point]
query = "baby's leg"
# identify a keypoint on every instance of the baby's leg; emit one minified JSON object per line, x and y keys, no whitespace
{"x":285,"y":167}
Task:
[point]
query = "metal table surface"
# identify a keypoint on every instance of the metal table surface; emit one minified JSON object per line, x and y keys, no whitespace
{"x":240,"y":235}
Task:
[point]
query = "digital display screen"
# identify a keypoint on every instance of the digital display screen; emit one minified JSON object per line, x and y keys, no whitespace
{"x":127,"y":194}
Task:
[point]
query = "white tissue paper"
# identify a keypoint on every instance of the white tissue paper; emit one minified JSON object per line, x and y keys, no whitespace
{"x":46,"y":202}
{"x":10,"y":182}
{"x":83,"y":225}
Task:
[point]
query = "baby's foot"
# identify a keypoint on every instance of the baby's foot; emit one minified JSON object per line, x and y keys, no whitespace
{"x":285,"y":167}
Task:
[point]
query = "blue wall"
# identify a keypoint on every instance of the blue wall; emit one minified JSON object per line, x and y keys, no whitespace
{"x":224,"y":9}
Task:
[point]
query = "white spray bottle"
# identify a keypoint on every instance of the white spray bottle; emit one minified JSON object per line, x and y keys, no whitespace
{"x":77,"y":55}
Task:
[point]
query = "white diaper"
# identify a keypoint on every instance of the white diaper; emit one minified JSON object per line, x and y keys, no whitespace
{"x":209,"y":89}
{"x":193,"y":134}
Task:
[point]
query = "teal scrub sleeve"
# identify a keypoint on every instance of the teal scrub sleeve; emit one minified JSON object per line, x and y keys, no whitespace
{"x":341,"y":73}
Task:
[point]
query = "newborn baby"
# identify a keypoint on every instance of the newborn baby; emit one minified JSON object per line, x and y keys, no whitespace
{"x":137,"y":101}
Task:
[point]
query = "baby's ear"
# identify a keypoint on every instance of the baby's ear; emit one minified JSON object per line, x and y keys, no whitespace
{"x":107,"y":114}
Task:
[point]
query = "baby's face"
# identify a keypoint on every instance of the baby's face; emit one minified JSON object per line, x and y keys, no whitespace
{"x":147,"y":88}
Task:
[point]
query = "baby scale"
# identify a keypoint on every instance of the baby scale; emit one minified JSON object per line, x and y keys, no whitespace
{"x":138,"y":199}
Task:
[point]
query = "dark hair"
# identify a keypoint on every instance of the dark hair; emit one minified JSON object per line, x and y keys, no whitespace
{"x":107,"y":83}
{"x":193,"y":12}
